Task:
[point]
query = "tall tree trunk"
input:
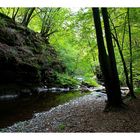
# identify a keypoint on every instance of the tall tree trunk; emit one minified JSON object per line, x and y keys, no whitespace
{"x":109,"y":73}
{"x":114,"y":73}
{"x":130,"y":50}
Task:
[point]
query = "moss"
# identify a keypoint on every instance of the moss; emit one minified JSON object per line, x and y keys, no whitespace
{"x":2,"y":23}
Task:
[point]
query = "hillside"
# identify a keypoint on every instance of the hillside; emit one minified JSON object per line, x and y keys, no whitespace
{"x":26,"y":58}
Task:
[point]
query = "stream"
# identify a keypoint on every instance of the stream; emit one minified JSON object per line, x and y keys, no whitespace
{"x":21,"y":109}
{"x":16,"y":109}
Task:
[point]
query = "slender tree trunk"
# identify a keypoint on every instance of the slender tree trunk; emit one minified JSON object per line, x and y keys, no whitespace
{"x":115,"y":37}
{"x":109,"y":73}
{"x":14,"y":14}
{"x":123,"y":62}
{"x":130,"y":50}
{"x":27,"y":16}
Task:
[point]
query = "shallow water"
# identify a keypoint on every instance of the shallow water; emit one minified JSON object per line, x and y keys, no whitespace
{"x":21,"y":109}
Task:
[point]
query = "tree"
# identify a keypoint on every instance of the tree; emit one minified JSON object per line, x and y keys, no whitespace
{"x":129,"y":81}
{"x":107,"y":62}
{"x":47,"y":16}
{"x":27,"y":16}
{"x":130,"y":50}
{"x":14,"y":13}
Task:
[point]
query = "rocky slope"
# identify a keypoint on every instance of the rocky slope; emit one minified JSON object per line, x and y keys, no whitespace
{"x":26,"y":58}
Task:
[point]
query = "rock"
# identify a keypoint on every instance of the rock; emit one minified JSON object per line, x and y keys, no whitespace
{"x":25,"y":93}
{"x":53,"y":89}
{"x":8,"y":97}
{"x":26,"y":58}
{"x":125,"y":91}
{"x":124,"y":88}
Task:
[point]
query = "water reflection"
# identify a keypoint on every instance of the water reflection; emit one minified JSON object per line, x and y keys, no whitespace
{"x":21,"y":109}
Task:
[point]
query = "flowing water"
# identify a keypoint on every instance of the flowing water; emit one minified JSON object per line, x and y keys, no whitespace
{"x":20,"y":109}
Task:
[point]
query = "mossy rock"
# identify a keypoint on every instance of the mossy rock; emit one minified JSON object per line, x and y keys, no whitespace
{"x":26,"y":58}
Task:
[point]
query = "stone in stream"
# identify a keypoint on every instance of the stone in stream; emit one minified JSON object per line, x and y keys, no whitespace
{"x":53,"y":89}
{"x":8,"y":97}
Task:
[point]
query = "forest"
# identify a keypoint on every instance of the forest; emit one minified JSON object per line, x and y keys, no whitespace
{"x":69,"y":69}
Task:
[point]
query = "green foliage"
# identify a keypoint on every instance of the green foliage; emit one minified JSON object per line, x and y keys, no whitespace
{"x":66,"y":81}
{"x":75,"y":42}
{"x":119,"y":18}
{"x":61,"y":127}
{"x":91,"y":82}
{"x":137,"y":90}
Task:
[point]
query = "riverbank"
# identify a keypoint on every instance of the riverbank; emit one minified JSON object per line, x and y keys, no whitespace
{"x":84,"y":114}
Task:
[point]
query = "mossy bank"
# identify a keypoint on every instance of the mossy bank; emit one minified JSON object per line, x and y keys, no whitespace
{"x":26,"y":58}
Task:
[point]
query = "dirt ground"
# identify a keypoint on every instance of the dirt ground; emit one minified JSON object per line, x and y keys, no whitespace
{"x":84,"y":114}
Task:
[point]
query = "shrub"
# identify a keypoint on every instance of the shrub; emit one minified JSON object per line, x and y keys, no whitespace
{"x":91,"y":82}
{"x":66,"y":80}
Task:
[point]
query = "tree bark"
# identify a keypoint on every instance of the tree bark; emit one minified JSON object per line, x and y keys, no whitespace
{"x":123,"y":62}
{"x":131,"y":66}
{"x":115,"y":85}
{"x":107,"y":62}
